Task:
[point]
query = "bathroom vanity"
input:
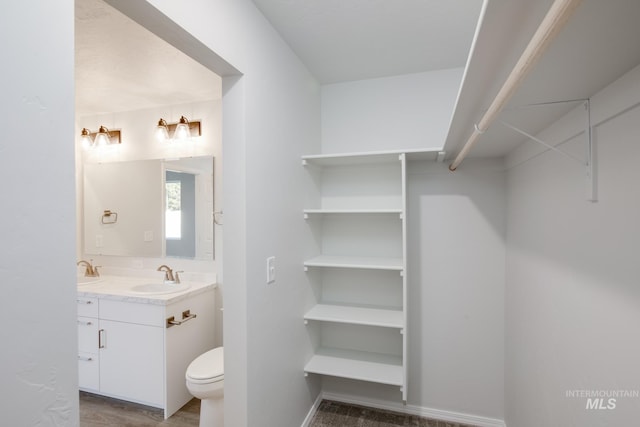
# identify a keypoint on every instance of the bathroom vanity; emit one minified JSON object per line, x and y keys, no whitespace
{"x":136,"y":338}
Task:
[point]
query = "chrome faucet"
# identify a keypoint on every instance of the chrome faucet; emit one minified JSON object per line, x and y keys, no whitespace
{"x":90,"y":270}
{"x":168,"y":274}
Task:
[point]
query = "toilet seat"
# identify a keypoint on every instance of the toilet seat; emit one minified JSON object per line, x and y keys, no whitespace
{"x":207,"y":368}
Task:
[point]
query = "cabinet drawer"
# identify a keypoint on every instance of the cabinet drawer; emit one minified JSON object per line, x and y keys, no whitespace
{"x":130,"y":312}
{"x":88,"y":371}
{"x":87,"y":306}
{"x":87,"y":334}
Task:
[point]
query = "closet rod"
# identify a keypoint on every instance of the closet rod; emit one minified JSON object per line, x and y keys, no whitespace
{"x":550,"y":26}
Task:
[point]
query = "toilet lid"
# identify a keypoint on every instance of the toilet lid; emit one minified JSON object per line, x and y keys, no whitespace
{"x":208,"y":365}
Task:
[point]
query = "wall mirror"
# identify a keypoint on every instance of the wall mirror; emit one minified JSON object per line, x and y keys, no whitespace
{"x":150,"y":208}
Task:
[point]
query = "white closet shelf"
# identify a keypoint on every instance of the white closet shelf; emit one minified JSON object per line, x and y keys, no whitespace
{"x":352,"y":211}
{"x":357,"y":315}
{"x":357,"y":365}
{"x":371,"y":157}
{"x":373,"y":263}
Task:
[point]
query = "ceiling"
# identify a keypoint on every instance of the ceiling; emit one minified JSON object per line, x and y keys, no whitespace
{"x":120,"y":66}
{"x":350,"y":40}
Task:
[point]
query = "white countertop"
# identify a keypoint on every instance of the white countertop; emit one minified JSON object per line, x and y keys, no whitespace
{"x":119,"y":288}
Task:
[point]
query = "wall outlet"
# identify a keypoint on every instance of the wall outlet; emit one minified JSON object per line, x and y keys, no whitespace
{"x":99,"y":241}
{"x":271,"y":269}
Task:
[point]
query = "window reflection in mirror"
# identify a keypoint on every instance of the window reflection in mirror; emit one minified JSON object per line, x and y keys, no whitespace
{"x":188,"y":208}
{"x":180,"y":214}
{"x":172,"y":219}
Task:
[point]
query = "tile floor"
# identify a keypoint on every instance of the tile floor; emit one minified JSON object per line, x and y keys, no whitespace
{"x":336,"y":414}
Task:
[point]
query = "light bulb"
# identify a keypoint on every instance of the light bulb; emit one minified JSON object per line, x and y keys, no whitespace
{"x":162,"y":132}
{"x":182,"y":131}
{"x":85,"y":136}
{"x":102,"y":137}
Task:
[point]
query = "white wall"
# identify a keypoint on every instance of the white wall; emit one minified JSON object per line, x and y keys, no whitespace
{"x":456,"y":264}
{"x":572,"y":270}
{"x":271,"y":117}
{"x":411,"y":111}
{"x":38,"y":361}
{"x":456,"y":279}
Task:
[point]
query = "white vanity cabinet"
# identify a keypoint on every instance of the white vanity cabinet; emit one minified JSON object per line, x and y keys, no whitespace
{"x":131,"y":352}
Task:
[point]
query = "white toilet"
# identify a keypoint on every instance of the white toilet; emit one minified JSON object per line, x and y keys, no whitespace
{"x":205,"y":380}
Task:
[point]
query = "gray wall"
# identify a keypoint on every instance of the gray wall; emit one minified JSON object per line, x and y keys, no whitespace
{"x":411,"y":111}
{"x":38,"y":361}
{"x":572,"y":296}
{"x":457,"y":226}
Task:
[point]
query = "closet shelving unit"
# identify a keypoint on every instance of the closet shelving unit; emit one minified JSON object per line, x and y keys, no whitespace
{"x":357,"y":214}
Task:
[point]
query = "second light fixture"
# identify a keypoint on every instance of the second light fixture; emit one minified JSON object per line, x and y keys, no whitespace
{"x":180,"y":131}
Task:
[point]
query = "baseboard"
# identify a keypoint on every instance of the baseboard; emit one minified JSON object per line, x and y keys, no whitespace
{"x":438,"y":414}
{"x":312,"y":411}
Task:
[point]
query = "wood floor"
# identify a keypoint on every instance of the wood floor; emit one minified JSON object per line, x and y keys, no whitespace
{"x":99,"y":411}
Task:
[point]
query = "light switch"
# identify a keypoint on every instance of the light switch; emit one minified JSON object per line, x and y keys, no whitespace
{"x":148,"y":236}
{"x":271,"y":269}
{"x":99,"y":241}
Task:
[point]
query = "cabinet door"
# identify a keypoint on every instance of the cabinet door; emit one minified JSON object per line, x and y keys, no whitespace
{"x":132,"y":362}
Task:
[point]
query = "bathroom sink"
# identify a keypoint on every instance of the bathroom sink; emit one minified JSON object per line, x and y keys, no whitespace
{"x":84,"y":280}
{"x":159,"y":288}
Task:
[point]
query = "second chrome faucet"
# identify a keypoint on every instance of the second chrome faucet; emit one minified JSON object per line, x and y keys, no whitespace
{"x":169,"y":276}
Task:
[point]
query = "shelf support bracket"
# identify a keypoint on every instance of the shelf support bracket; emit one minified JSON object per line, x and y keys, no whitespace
{"x":588,"y":165}
{"x":592,"y":188}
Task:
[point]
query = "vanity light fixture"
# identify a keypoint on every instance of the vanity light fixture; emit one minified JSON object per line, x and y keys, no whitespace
{"x":101,"y":138}
{"x":180,"y":131}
